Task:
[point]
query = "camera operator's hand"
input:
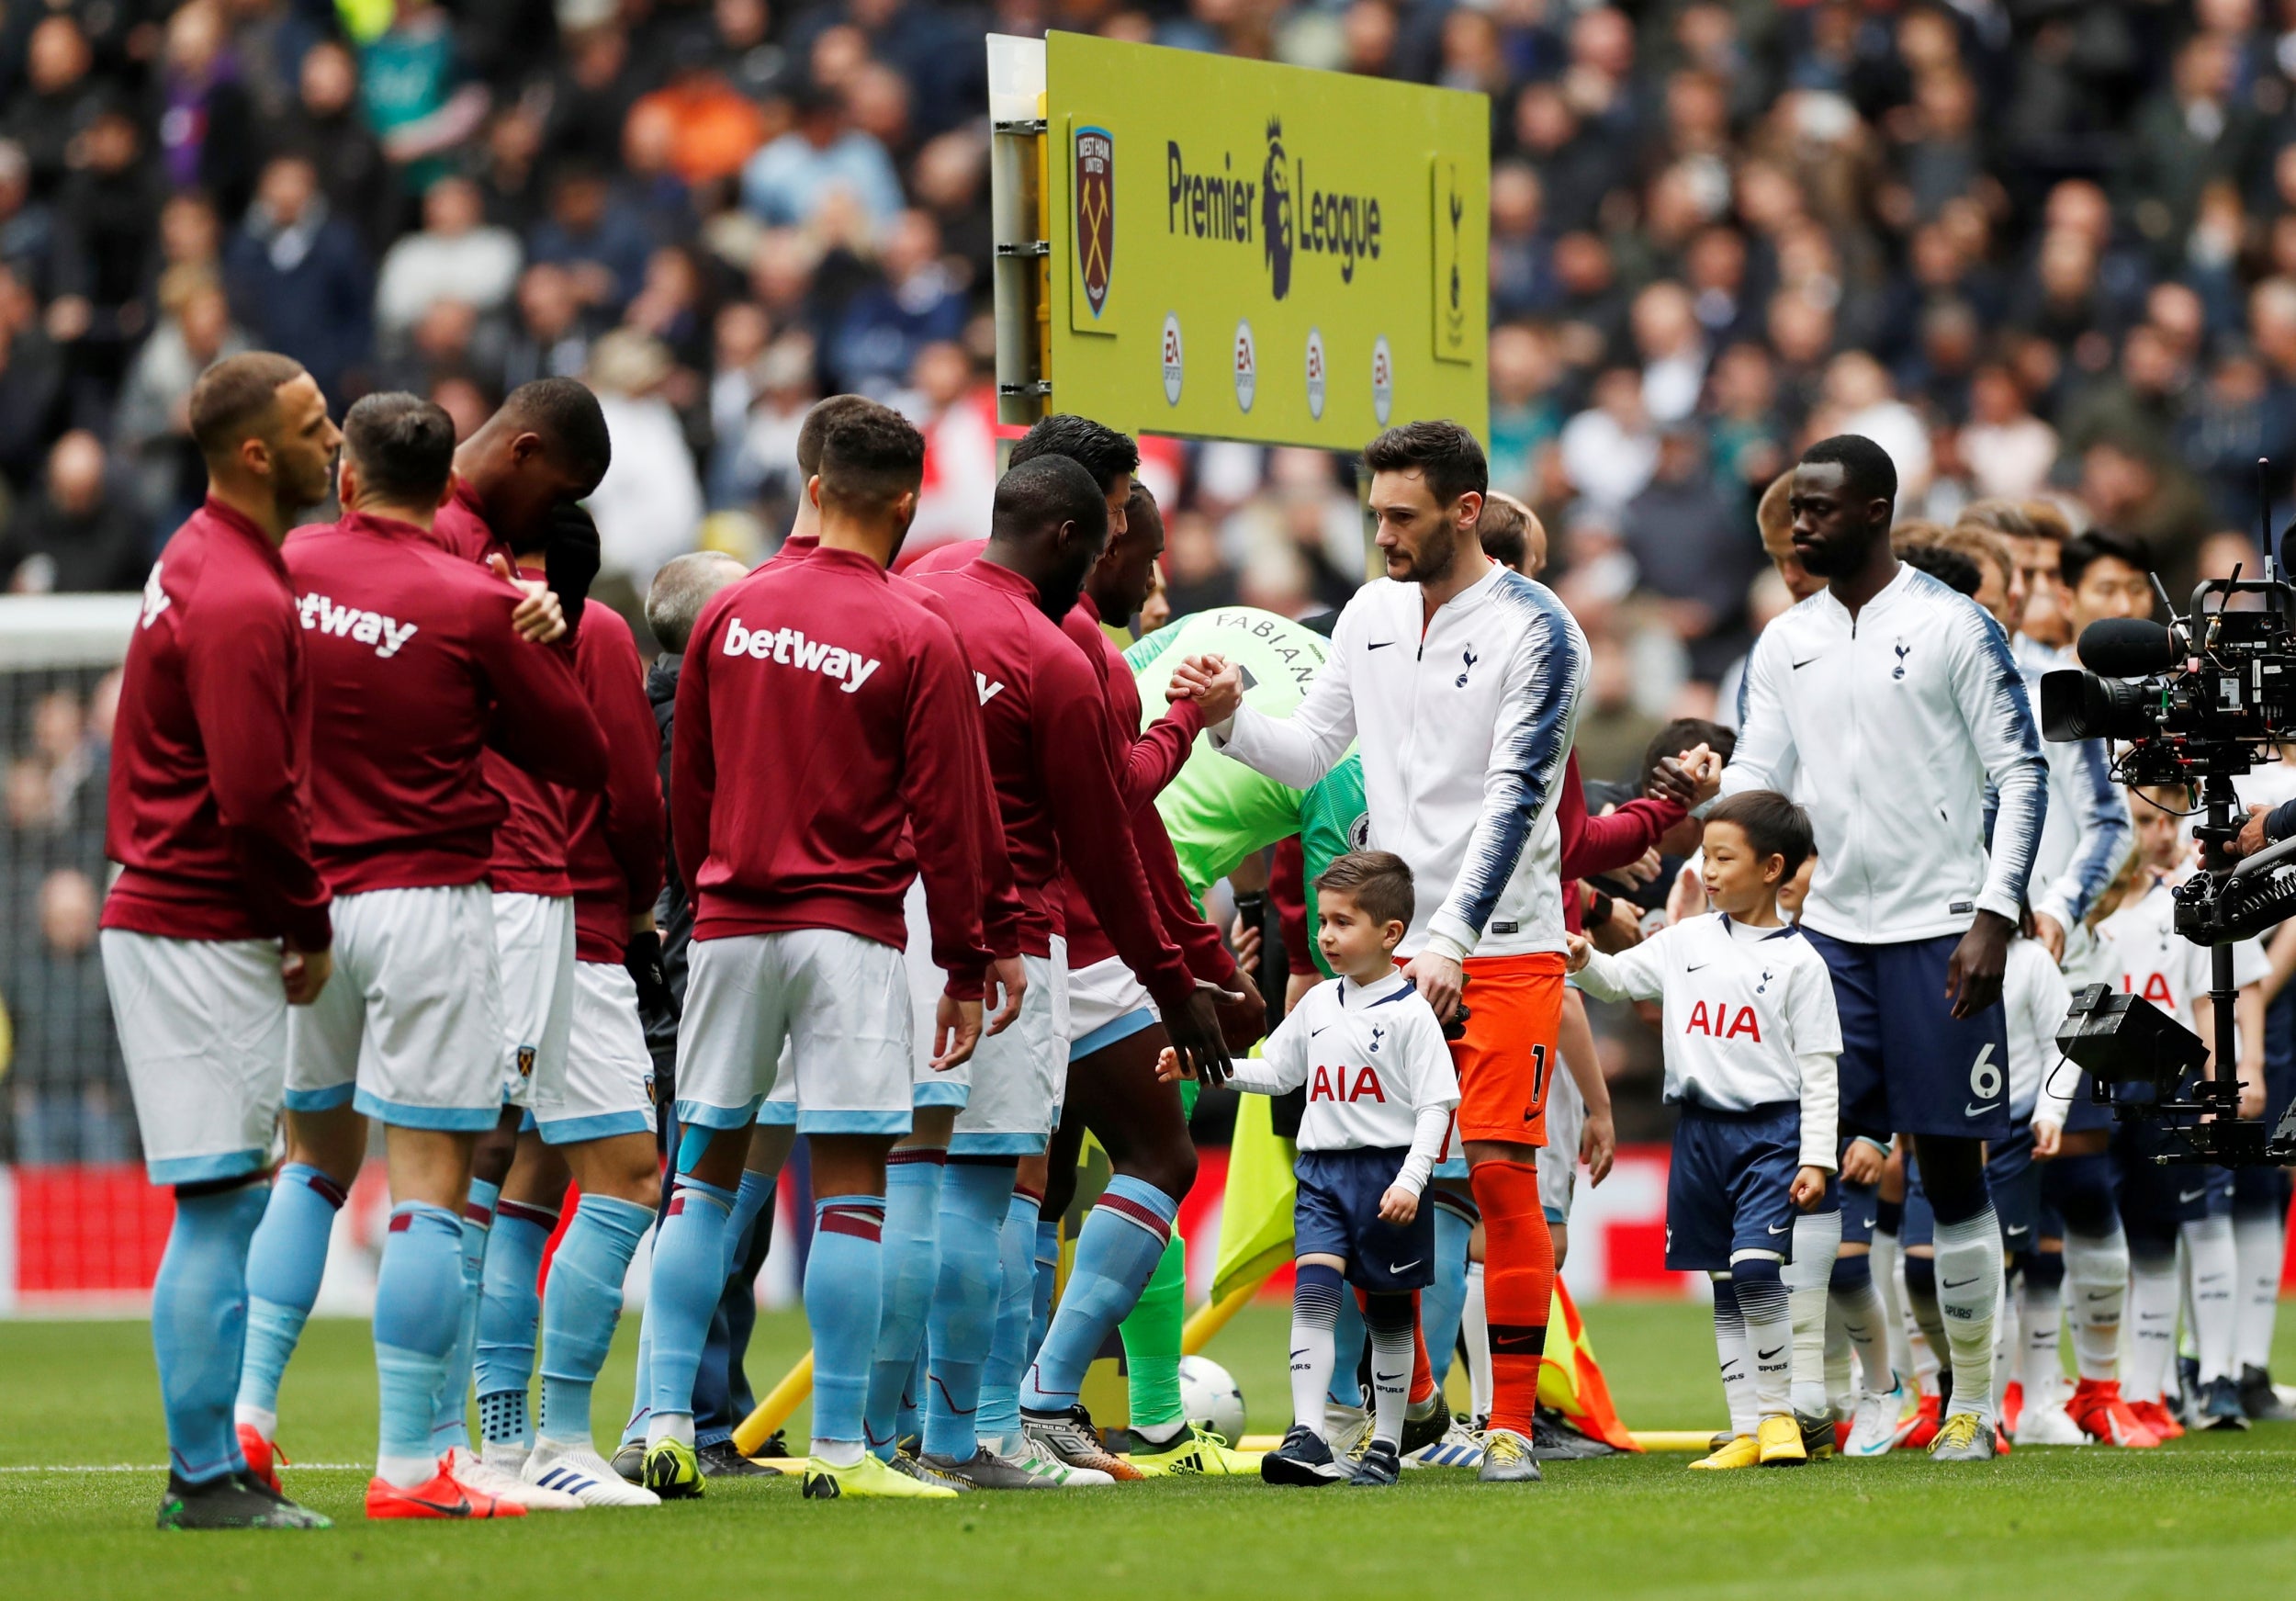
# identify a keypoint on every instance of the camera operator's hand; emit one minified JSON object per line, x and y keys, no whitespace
{"x":1973,"y":978}
{"x":2252,"y":837}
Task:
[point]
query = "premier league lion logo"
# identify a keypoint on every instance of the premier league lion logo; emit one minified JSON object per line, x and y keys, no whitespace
{"x":1276,"y":213}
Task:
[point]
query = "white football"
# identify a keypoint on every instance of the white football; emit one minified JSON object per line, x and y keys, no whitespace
{"x":1209,"y":1395}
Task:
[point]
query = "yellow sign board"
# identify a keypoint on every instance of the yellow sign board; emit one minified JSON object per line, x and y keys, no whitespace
{"x":1245,"y":251}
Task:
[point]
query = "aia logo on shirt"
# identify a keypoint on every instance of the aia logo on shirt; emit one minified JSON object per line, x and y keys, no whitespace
{"x":1334,"y":1084}
{"x":2155,"y":989}
{"x":1719,"y":1022}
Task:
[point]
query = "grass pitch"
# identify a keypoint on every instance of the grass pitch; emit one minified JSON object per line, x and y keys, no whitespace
{"x":2213,"y":1516}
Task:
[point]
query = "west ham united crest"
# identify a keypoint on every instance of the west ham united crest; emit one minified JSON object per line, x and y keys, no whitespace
{"x":1095,"y":211}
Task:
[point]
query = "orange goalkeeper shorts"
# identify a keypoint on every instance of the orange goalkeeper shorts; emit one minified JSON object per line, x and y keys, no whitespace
{"x":1510,"y":1055}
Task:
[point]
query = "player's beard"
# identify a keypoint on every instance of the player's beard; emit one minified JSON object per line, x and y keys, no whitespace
{"x":1433,"y":557}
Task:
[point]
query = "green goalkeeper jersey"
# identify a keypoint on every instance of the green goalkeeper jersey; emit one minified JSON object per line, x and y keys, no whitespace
{"x":1217,"y":810}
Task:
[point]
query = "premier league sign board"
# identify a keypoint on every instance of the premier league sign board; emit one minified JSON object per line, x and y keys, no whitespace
{"x":1234,"y":250}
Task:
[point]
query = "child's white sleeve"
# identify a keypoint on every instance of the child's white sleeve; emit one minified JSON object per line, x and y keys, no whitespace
{"x":1431,"y":1125}
{"x":1638,"y":972}
{"x":1816,"y":1046}
{"x":1434,"y":1091}
{"x":2052,"y":998}
{"x":1282,"y":1063}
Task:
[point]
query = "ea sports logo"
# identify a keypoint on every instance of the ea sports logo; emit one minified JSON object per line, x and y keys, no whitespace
{"x":1276,"y":213}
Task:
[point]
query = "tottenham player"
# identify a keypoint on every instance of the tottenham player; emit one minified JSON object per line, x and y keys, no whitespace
{"x":217,"y":923}
{"x":1380,"y":1087}
{"x":1462,"y":681}
{"x":1892,"y":703}
{"x":821,"y":716}
{"x":1056,"y":790}
{"x":415,"y":671}
{"x":1751,"y":1038}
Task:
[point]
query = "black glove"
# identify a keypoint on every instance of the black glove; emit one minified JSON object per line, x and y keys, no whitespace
{"x":570,"y":559}
{"x":641,"y":959}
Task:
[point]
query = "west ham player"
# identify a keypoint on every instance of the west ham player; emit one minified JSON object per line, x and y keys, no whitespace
{"x":217,"y":923}
{"x":1887,"y":705}
{"x":1462,"y":680}
{"x":596,"y":1123}
{"x":415,"y":670}
{"x":821,"y":723}
{"x":1056,"y":789}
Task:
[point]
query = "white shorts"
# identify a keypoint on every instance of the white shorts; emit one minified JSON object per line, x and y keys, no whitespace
{"x":609,"y":1084}
{"x":1017,"y":1076}
{"x":203,"y":1025}
{"x":408,"y":1030}
{"x":839,"y":1002}
{"x":533,"y":940}
{"x":1106,"y":1003}
{"x":927,"y":982}
{"x":1559,"y":1157}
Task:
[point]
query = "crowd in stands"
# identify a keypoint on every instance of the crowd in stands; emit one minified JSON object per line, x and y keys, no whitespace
{"x":2034,"y":247}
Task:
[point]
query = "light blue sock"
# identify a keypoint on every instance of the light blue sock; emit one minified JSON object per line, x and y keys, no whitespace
{"x":199,"y":1327}
{"x":450,"y":1418}
{"x":909,"y":1422}
{"x":1347,"y":1339}
{"x":974,"y":1198}
{"x":285,"y":1261}
{"x":417,"y":1315}
{"x":910,"y":1250}
{"x":581,"y":1305}
{"x":1122,"y":1239}
{"x":999,"y":1419}
{"x":688,"y":1278}
{"x":1442,"y":1300}
{"x":1045,"y":1265}
{"x":510,"y":1316}
{"x":750,"y":1202}
{"x":844,"y":1295}
{"x":642,"y":1392}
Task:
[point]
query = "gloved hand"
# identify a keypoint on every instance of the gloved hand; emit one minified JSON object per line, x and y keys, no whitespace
{"x":641,"y":959}
{"x":570,"y":558}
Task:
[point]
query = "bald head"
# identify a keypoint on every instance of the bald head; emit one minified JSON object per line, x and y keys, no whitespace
{"x":681,"y":587}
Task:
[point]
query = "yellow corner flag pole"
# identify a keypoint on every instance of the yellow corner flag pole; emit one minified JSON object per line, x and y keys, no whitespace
{"x":1212,"y":1316}
{"x":774,"y":1411}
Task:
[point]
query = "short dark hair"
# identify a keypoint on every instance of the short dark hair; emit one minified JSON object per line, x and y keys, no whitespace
{"x":235,"y":398}
{"x":681,"y":587}
{"x":1504,"y":531}
{"x":567,"y":417}
{"x":1865,"y":466}
{"x":404,"y":446}
{"x":1775,"y":825}
{"x":871,"y":456}
{"x":1442,"y":453}
{"x":1142,"y":503}
{"x":1042,"y":494}
{"x":2017,"y":519}
{"x":816,"y":424}
{"x":1378,"y":881}
{"x":2083,"y":551}
{"x":1681,"y":735}
{"x":1950,"y":568}
{"x":1099,"y":449}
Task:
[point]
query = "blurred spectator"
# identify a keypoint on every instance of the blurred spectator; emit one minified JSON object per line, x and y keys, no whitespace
{"x":710,"y":127}
{"x":416,"y":101}
{"x":1610,"y":449}
{"x":956,"y":411}
{"x":107,"y":221}
{"x":80,"y":534}
{"x":1197,"y":574}
{"x":603,"y":248}
{"x":788,"y":181}
{"x":1693,"y":550}
{"x":207,"y":123}
{"x":300,"y":282}
{"x":915,"y":302}
{"x":31,"y":384}
{"x":552,"y":339}
{"x":153,"y":428}
{"x":326,"y":126}
{"x":2007,"y":449}
{"x":27,"y":228}
{"x":649,"y":505}
{"x":68,"y":1088}
{"x":455,"y":256}
{"x":57,"y":99}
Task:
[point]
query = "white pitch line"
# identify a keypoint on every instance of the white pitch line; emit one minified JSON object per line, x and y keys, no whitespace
{"x":161,"y":1468}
